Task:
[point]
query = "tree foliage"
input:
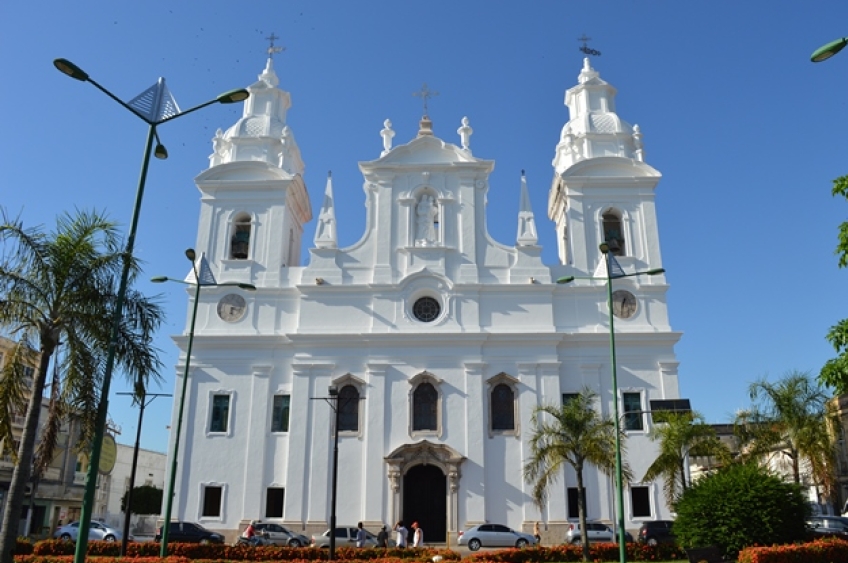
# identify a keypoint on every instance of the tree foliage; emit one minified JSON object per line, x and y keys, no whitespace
{"x":60,"y":288}
{"x":835,"y":372}
{"x":681,"y":435}
{"x":740,"y":505}
{"x":575,"y":435}
{"x":788,"y":421}
{"x":146,"y":499}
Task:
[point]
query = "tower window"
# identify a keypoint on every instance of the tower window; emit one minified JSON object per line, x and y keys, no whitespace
{"x":425,"y":402}
{"x":613,"y":233}
{"x":503,"y":407}
{"x":240,"y":240}
{"x":348,"y":405}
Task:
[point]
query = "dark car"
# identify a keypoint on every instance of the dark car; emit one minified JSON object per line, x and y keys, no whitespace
{"x":657,"y":531}
{"x":189,"y":532}
{"x":831,"y":526}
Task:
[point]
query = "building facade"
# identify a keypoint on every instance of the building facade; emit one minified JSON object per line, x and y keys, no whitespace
{"x":437,"y":340}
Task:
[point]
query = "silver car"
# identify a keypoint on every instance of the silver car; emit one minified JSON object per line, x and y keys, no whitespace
{"x":280,"y":535}
{"x":494,"y":535}
{"x":345,"y":537}
{"x":598,"y":533}
{"x":96,"y":531}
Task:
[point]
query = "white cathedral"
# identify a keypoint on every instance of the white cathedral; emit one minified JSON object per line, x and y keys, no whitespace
{"x":435,"y":340}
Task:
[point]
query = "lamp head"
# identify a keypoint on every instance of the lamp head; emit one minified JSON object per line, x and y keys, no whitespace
{"x":233,"y":96}
{"x":159,"y":279}
{"x":160,"y":152}
{"x":67,"y":67}
{"x":333,"y":391}
{"x":247,"y":286}
{"x":190,"y":254}
{"x":655,"y":271}
{"x":566,"y":279}
{"x":826,"y":51}
{"x":604,"y":246}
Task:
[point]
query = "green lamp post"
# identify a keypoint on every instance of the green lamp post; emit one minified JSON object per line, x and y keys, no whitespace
{"x":619,"y":485}
{"x":198,"y":283}
{"x":154,"y":106}
{"x":826,"y":51}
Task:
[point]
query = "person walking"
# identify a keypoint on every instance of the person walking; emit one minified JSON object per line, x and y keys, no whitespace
{"x":417,"y":535}
{"x":401,"y":534}
{"x":361,"y":535}
{"x":383,"y":537}
{"x":537,"y":534}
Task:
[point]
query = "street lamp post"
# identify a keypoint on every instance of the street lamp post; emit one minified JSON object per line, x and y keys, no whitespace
{"x":333,"y":401}
{"x":154,"y":106}
{"x":198,"y":283}
{"x":619,"y":485}
{"x":142,"y":404}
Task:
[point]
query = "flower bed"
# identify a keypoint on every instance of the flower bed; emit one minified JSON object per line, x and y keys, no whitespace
{"x":825,"y":550}
{"x":567,"y":553}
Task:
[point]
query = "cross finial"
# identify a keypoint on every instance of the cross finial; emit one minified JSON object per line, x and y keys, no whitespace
{"x":585,"y":48}
{"x":271,"y":48}
{"x":425,"y":94}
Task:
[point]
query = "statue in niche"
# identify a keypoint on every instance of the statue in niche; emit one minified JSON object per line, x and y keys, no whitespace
{"x":425,"y":221}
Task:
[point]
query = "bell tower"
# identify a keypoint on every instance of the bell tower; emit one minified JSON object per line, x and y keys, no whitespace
{"x":254,"y":201}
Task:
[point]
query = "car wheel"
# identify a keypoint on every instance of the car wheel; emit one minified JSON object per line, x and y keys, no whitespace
{"x":576,"y":541}
{"x":110,"y":537}
{"x":521,"y":544}
{"x":204,"y":541}
{"x":294,"y":543}
{"x":652,"y":541}
{"x":65,"y":537}
{"x":474,"y":544}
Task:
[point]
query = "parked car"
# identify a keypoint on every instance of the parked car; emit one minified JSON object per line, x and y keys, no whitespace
{"x":189,"y":532}
{"x":834,"y":526}
{"x":598,"y":532}
{"x":345,"y":536}
{"x":280,"y":535}
{"x":494,"y":535}
{"x":656,"y":531}
{"x":96,"y":531}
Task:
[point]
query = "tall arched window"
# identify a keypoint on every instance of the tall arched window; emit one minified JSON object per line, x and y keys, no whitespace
{"x":348,"y":406}
{"x":613,"y":233}
{"x":240,"y":239}
{"x":425,"y":407}
{"x":503,"y":407}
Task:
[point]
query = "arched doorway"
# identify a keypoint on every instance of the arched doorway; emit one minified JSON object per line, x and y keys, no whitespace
{"x":425,"y":501}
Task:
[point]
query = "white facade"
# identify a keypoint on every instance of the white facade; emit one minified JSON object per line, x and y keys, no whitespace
{"x":448,"y":338}
{"x":150,"y":470}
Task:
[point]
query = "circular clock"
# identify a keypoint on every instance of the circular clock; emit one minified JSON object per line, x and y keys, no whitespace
{"x":232,"y":307}
{"x":623,"y":304}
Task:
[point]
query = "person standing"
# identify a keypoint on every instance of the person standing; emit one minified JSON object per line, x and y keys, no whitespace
{"x":537,"y":534}
{"x":383,"y":537}
{"x":401,"y":534}
{"x":417,"y":535}
{"x":361,"y":536}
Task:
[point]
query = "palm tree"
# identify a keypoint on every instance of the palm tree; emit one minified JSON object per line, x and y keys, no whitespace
{"x":680,"y":435}
{"x":573,"y":434}
{"x":789,"y":418}
{"x":61,"y":287}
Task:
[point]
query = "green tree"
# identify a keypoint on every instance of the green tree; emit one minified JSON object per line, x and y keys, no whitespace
{"x":835,"y":372}
{"x":60,"y":287}
{"x":680,"y":435}
{"x":789,"y":419}
{"x":741,"y":504}
{"x":146,"y":499}
{"x":573,"y":434}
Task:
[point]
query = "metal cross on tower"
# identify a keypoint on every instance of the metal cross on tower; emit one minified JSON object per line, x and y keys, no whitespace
{"x":271,"y":48}
{"x":425,"y":94}
{"x":585,"y":48}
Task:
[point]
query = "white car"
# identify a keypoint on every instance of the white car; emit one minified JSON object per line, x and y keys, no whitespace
{"x":345,"y":537}
{"x":96,"y":531}
{"x":276,"y":534}
{"x":494,"y":535}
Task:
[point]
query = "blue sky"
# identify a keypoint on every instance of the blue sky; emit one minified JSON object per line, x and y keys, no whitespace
{"x":747,"y":133}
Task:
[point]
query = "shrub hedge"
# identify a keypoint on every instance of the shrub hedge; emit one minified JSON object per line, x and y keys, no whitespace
{"x":825,"y":550}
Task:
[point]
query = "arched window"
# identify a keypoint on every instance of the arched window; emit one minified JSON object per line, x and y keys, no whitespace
{"x":240,"y":239}
{"x":503,"y":407}
{"x":348,"y":406}
{"x":613,"y":233}
{"x":425,"y":407}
